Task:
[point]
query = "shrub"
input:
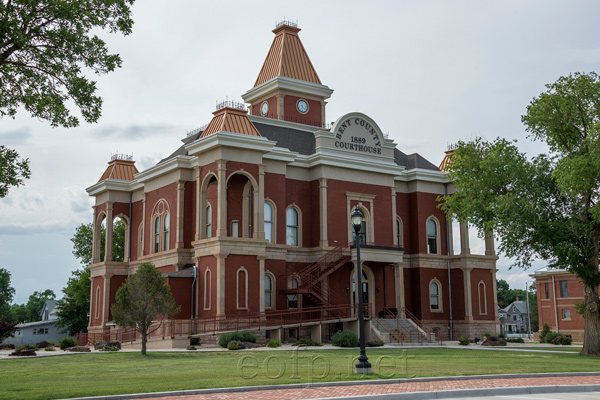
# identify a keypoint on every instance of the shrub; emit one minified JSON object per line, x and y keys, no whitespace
{"x":374,"y":343}
{"x":43,"y":344}
{"x":79,"y":349}
{"x":241,"y":336}
{"x":306,"y":342}
{"x":502,"y":342}
{"x":550,"y":336}
{"x":502,"y":335}
{"x":235,"y":345}
{"x":545,"y":330}
{"x":49,"y":349}
{"x":487,"y":334}
{"x":345,"y":338}
{"x":191,"y":348}
{"x":110,"y":348}
{"x":515,"y":340}
{"x":67,"y":342}
{"x":26,"y":347}
{"x":463,"y":341}
{"x":562,"y":340}
{"x":274,"y":343}
{"x":195,"y":341}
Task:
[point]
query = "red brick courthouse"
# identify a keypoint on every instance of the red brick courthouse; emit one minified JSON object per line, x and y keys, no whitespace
{"x":249,"y":220}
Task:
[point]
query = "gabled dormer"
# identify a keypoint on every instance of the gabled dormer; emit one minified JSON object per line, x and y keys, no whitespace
{"x":288,"y":87}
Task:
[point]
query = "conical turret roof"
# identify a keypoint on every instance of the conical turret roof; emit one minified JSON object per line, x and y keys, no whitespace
{"x":229,"y":119}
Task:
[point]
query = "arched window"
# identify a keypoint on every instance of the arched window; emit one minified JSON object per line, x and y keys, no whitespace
{"x":207,"y":289}
{"x":482,"y":298}
{"x":268,"y":222}
{"x":141,"y":240}
{"x":166,"y":232}
{"x":435,"y":298}
{"x":242,"y":289}
{"x":432,"y":237}
{"x":292,"y":299}
{"x":292,"y":227}
{"x":362,"y":234}
{"x":269,"y":288}
{"x":208,"y":221}
{"x":157,"y":234}
{"x":399,"y":232}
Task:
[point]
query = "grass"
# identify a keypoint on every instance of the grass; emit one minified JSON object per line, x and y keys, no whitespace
{"x":119,"y":373}
{"x":573,"y":349}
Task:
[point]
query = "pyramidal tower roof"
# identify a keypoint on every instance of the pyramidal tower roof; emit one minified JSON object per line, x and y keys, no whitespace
{"x":445,"y":164}
{"x":287,"y":57}
{"x":121,"y":167}
{"x":231,"y":117}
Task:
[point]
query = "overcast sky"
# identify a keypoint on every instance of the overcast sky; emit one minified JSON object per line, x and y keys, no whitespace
{"x":428,"y":72}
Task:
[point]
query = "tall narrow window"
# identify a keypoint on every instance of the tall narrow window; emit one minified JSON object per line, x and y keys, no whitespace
{"x":242,"y":289}
{"x":292,"y":227}
{"x":432,"y":231}
{"x":235,"y":229}
{"x":482,"y":298}
{"x":268,"y":291}
{"x":398,"y":232}
{"x":156,"y":234}
{"x":269,"y":222}
{"x":141,"y":240}
{"x":547,"y":290}
{"x":97,"y":302}
{"x":208,"y":221}
{"x":564,"y":289}
{"x":207,"y":289}
{"x":434,"y":296}
{"x":166,"y":232}
{"x":293,"y":298}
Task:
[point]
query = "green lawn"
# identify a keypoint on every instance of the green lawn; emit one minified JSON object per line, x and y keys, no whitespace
{"x":574,"y":349}
{"x":118,"y":373}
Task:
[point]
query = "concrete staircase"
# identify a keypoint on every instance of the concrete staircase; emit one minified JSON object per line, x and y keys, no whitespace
{"x":401,"y":331}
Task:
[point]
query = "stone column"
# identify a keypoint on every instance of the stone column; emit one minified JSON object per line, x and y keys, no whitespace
{"x":261,"y":284}
{"x":222,"y":199}
{"x":450,"y":237}
{"x":95,"y":237}
{"x":259,"y":203}
{"x":221,"y":284}
{"x":399,"y":279}
{"x":179,"y":220}
{"x":280,"y":107}
{"x":200,"y":211}
{"x":145,"y":234}
{"x":489,"y":244}
{"x":468,"y":295}
{"x":394,"y":216}
{"x":109,"y":232}
{"x":106,"y":300}
{"x":495,"y":288}
{"x":323,"y":242}
{"x":464,"y":238}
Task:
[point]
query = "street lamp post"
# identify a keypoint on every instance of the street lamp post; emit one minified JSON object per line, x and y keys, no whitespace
{"x":363,"y":366}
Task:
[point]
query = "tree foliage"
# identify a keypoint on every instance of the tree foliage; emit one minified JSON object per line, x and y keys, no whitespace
{"x":7,"y":292}
{"x":546,"y":206}
{"x":46,"y":46}
{"x":83,"y":242}
{"x":13,"y":170}
{"x":144,"y":302}
{"x":74,"y":307}
{"x":35,"y":304}
{"x":7,"y":329}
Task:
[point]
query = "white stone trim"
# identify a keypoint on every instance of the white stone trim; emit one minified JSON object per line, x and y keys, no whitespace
{"x":299,"y":226}
{"x":207,"y":288}
{"x":438,"y":244}
{"x":482,"y":307}
{"x":439,"y":296}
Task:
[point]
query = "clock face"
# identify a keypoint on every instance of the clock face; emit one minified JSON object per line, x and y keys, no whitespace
{"x":302,"y":106}
{"x":264,"y":108}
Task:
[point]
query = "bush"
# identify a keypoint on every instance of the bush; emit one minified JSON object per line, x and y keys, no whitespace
{"x":306,"y":342}
{"x":195,"y":341}
{"x":110,"y":348}
{"x":49,"y":349}
{"x":550,"y":336}
{"x":374,"y":343}
{"x":241,"y":336}
{"x":463,"y":341}
{"x":67,"y":342}
{"x":274,"y":343}
{"x":345,"y":338}
{"x":26,"y":347}
{"x":544,"y":332}
{"x":502,"y":335}
{"x":79,"y":349}
{"x":562,"y":340}
{"x":515,"y":340}
{"x":502,"y":342}
{"x":235,"y":345}
{"x":191,"y":348}
{"x":43,"y":344}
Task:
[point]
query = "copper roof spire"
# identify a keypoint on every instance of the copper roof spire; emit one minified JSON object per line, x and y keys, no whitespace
{"x":287,"y":57}
{"x":231,"y":117}
{"x":445,"y":164}
{"x":120,"y":167}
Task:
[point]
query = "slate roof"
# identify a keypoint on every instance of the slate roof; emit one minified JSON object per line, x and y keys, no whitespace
{"x":303,"y":142}
{"x":521,"y":307}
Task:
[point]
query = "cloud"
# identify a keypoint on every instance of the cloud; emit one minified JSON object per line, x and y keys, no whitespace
{"x":15,"y":137}
{"x":12,"y":230}
{"x":79,"y":200}
{"x":136,"y":132}
{"x":143,"y":163}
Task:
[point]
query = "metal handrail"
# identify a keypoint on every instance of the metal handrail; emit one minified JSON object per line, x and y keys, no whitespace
{"x":421,"y":326}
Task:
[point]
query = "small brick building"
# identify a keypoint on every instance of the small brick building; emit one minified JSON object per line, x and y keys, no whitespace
{"x":238,"y":215}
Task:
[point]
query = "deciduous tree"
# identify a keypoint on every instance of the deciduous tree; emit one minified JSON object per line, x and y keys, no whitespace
{"x":7,"y":292}
{"x":144,"y":302}
{"x":7,"y":329}
{"x":13,"y":170}
{"x":547,"y":206}
{"x":74,"y":307}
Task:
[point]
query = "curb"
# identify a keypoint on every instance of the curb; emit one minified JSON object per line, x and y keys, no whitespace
{"x":411,"y":395}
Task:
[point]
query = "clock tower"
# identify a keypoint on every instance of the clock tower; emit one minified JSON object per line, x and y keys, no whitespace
{"x":288,"y":87}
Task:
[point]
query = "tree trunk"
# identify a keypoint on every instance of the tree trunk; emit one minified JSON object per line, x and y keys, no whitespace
{"x":144,"y":339}
{"x":591,"y":316}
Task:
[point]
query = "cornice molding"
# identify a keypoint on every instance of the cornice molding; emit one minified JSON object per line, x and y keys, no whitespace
{"x":229,"y":139}
{"x":285,"y":83}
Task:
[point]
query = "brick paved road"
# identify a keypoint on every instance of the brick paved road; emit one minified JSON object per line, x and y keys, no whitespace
{"x":377,"y":389}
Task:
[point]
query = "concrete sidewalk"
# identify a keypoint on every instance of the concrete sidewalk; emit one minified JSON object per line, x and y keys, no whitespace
{"x":417,"y":388}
